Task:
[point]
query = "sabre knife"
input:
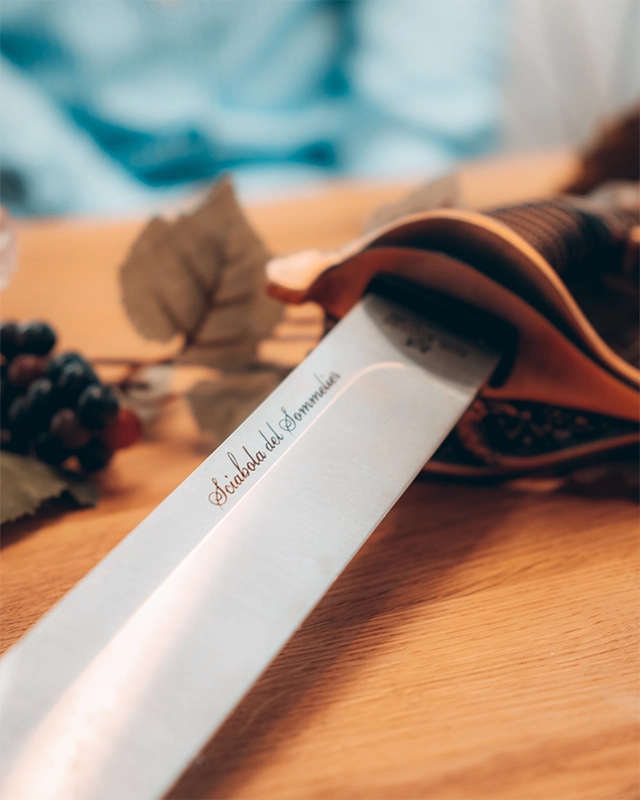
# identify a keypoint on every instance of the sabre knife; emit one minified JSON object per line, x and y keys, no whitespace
{"x":115,"y":691}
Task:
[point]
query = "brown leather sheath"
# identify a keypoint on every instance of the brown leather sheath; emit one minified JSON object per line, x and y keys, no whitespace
{"x":561,"y":274}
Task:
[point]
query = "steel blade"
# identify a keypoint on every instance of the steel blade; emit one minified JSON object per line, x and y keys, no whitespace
{"x":118,"y":687}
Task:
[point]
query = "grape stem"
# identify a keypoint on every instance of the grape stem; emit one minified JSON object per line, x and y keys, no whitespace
{"x":109,"y":361}
{"x":134,"y":366}
{"x":137,"y":364}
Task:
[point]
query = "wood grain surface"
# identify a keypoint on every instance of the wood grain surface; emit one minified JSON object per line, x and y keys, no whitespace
{"x":483,"y":644}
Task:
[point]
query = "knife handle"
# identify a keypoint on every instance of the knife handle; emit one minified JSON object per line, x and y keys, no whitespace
{"x":579,"y":236}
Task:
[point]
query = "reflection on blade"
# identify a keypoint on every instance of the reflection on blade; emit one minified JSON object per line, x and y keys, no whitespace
{"x":116,"y":690}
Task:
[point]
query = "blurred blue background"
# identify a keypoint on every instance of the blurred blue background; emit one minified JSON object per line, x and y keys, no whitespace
{"x":113,"y":106}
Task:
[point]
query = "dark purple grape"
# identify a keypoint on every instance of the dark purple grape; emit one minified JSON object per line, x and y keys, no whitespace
{"x":12,"y":443}
{"x":38,"y":338}
{"x":10,"y":339}
{"x":73,"y":380}
{"x":98,"y":407}
{"x":7,"y":394}
{"x":57,"y":363}
{"x":94,"y":455}
{"x":19,"y":416}
{"x":41,"y":398}
{"x":68,"y":428}
{"x":16,"y":444}
{"x":25,"y":368}
{"x":50,"y":449}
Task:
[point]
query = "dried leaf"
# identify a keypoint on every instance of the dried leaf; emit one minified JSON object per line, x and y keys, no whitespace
{"x":25,"y":483}
{"x":81,"y":488}
{"x":441,"y":193}
{"x":220,"y":406}
{"x":202,"y":277}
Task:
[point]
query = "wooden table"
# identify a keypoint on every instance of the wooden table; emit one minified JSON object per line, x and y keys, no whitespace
{"x":483,"y":644}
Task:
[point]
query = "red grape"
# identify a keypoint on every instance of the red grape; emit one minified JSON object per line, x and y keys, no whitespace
{"x":25,"y":368}
{"x":125,"y":431}
{"x":68,"y":428}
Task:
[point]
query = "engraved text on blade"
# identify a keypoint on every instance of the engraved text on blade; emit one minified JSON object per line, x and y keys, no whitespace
{"x":244,"y":465}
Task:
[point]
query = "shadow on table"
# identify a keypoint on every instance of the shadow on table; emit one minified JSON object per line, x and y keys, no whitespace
{"x":405,"y":563}
{"x":51,"y":510}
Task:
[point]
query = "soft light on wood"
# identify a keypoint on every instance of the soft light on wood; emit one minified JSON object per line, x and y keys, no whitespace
{"x":484,"y":643}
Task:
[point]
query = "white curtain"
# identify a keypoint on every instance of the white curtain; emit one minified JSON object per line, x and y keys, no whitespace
{"x":571,"y":65}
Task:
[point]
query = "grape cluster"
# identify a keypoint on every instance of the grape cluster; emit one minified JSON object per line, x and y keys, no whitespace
{"x":55,"y":407}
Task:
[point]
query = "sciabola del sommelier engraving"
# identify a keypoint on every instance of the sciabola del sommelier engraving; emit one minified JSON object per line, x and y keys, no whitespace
{"x":243,"y":465}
